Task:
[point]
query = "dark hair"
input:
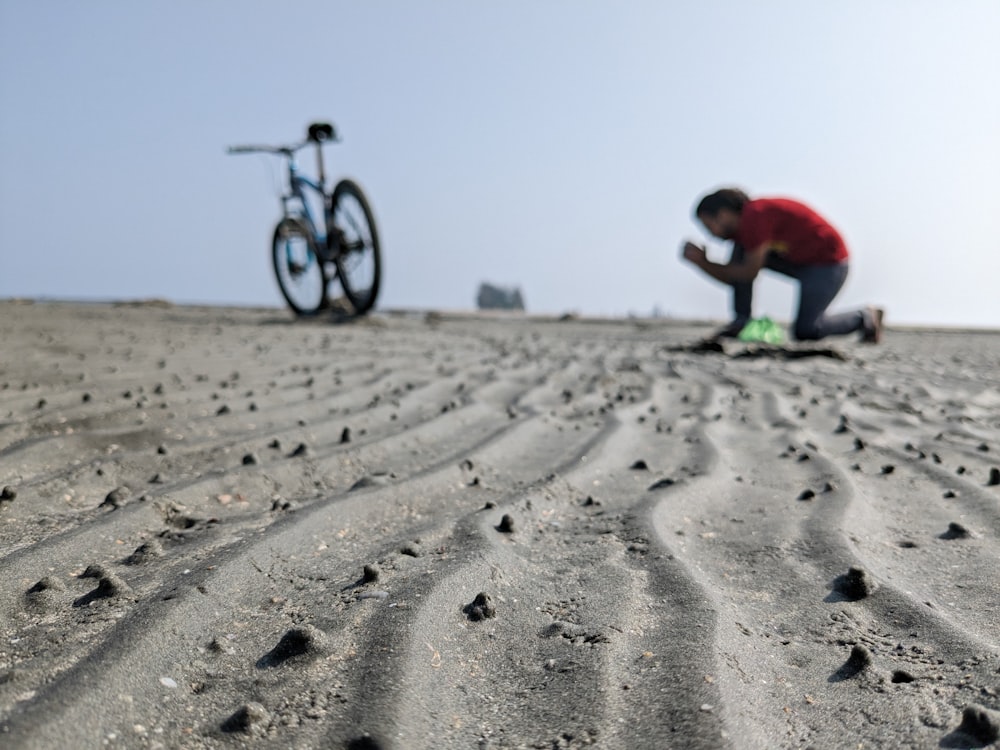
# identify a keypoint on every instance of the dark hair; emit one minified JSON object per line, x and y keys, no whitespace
{"x":731,"y":198}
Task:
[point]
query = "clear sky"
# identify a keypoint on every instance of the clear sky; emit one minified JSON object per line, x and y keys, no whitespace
{"x":558,"y":145}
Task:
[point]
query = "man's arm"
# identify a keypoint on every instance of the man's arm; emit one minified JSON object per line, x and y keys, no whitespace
{"x":730,"y":273}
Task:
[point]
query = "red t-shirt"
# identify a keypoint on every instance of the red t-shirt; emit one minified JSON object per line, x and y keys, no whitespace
{"x":791,"y":229}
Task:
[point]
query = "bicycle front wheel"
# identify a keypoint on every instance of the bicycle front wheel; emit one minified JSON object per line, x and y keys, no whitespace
{"x":358,"y":260}
{"x":301,"y":276}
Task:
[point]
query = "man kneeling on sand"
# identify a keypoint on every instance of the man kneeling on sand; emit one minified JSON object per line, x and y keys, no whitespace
{"x":788,"y":237}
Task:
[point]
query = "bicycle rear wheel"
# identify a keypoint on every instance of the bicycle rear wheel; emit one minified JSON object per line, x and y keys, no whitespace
{"x":301,"y":276}
{"x":357,"y":257}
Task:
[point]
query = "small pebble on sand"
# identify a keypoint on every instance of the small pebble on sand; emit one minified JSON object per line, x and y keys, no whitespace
{"x":856,"y":584}
{"x":481,"y":608}
{"x":859,"y":660}
{"x":116,"y":498}
{"x":980,"y":723}
{"x":305,"y":640}
{"x":956,"y":531}
{"x":251,"y":718}
{"x":661,"y":484}
{"x":145,"y":552}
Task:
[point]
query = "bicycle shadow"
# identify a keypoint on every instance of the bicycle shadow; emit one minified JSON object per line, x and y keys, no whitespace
{"x":336,"y":312}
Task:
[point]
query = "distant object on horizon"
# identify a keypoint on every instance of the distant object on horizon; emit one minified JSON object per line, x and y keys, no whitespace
{"x":493,"y":297}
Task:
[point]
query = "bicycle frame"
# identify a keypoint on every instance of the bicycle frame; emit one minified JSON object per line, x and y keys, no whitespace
{"x":297,"y":193}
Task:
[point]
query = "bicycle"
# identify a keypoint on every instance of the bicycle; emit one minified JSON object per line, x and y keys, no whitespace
{"x":306,"y":259}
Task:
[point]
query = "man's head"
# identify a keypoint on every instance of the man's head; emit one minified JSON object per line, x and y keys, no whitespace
{"x":720,"y":212}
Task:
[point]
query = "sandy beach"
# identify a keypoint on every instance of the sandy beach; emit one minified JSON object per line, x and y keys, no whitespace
{"x":222,"y":527}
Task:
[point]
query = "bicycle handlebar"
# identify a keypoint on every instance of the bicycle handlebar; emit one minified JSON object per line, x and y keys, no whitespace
{"x":286,"y":150}
{"x":319,"y":133}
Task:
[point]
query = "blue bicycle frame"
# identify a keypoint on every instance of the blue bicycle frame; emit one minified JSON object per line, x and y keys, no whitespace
{"x":296,"y":193}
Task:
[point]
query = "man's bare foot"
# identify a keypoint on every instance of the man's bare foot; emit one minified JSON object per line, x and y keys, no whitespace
{"x":872,"y":333}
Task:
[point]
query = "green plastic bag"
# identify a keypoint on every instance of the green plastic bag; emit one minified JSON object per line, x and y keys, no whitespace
{"x":763,"y":330}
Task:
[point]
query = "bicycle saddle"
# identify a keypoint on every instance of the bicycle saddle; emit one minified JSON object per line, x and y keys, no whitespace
{"x":321,"y":131}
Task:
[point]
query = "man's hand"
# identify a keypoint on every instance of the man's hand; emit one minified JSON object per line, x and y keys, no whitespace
{"x":694,"y":254}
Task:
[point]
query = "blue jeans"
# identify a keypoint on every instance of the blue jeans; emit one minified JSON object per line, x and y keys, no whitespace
{"x":818,"y":285}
